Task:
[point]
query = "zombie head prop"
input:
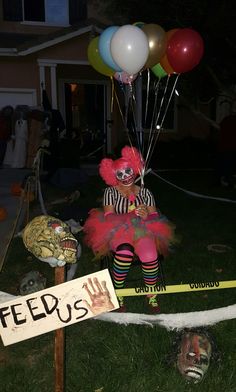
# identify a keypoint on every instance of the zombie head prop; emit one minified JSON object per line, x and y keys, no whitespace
{"x":32,"y":282}
{"x":123,"y":170}
{"x":50,"y":240}
{"x":192,"y":352}
{"x":193,"y":359}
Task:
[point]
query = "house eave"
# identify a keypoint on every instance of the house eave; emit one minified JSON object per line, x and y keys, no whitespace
{"x":48,"y":44}
{"x":8,"y":52}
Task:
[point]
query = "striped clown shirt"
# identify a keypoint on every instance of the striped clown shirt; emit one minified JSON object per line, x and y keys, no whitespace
{"x":121,"y":204}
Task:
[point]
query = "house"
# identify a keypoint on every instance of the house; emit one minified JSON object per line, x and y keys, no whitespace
{"x":43,"y":49}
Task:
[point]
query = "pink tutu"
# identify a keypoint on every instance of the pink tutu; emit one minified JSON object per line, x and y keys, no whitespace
{"x":104,"y":233}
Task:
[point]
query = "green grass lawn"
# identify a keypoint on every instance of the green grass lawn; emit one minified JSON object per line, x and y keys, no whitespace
{"x":107,"y":357}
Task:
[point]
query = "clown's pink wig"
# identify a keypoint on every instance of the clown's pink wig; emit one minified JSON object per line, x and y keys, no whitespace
{"x":130,"y":157}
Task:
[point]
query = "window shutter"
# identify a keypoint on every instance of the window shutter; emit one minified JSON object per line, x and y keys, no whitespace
{"x":77,"y":11}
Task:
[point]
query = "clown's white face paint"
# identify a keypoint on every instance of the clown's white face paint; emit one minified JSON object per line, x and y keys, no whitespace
{"x":125,"y":176}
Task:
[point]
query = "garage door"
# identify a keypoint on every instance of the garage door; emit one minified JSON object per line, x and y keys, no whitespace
{"x":14,"y":97}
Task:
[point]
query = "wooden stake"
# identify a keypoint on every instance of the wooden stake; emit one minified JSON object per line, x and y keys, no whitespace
{"x":59,"y":344}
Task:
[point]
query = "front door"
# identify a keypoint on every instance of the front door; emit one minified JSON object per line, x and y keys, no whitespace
{"x":86,"y":118}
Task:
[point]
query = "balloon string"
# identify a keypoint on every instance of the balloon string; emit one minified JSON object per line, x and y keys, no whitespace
{"x":127,"y":97}
{"x":147,"y":97}
{"x":154,"y":119}
{"x":168,"y":104}
{"x":130,"y":105}
{"x":130,"y":100}
{"x":139,"y":111}
{"x":112,"y":94}
{"x":162,"y":100}
{"x":154,"y":109}
{"x":137,"y":131}
{"x":156,"y":135}
{"x":156,"y":129}
{"x":156,"y":91}
{"x":120,"y":111}
{"x":140,"y":170}
{"x":164,"y":115}
{"x":122,"y":117}
{"x":160,"y":127}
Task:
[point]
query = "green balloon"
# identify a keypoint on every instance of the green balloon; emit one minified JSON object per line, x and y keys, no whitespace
{"x":159,"y":71}
{"x":139,"y":24}
{"x":95,"y":59}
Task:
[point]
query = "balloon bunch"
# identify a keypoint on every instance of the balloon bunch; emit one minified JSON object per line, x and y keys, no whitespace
{"x":123,"y":52}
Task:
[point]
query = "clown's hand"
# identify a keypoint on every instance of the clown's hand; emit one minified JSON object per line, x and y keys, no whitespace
{"x":142,"y":211}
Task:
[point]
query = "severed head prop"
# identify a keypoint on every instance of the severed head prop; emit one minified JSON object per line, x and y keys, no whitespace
{"x":50,"y":240}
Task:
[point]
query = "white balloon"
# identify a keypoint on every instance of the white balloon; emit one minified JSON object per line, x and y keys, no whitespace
{"x":130,"y":48}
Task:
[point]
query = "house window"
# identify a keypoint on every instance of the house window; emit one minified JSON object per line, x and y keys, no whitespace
{"x":12,"y":10}
{"x":19,"y":10}
{"x":34,"y":10}
{"x":38,"y":11}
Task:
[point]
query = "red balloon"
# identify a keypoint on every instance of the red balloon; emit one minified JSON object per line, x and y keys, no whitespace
{"x":185,"y":50}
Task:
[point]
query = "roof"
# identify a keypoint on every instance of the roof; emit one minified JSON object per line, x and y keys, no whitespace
{"x":12,"y":40}
{"x":16,"y":44}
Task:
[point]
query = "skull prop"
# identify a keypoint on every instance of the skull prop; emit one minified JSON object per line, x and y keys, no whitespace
{"x":32,"y":282}
{"x":194,"y":356}
{"x":50,"y":240}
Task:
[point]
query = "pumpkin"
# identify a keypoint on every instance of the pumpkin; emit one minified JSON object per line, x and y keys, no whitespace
{"x":3,"y":213}
{"x":16,"y":189}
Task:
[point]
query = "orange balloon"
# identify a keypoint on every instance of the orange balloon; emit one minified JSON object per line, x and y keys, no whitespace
{"x":164,"y":60}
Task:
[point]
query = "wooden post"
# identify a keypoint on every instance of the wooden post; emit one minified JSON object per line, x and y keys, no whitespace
{"x":59,"y":344}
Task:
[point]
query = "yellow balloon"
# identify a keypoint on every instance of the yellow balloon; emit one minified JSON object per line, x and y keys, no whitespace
{"x":95,"y":59}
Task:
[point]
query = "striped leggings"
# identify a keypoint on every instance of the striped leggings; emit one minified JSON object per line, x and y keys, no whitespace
{"x":123,"y":258}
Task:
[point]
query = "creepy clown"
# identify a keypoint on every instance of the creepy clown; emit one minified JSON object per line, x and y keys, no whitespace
{"x":129,"y":225}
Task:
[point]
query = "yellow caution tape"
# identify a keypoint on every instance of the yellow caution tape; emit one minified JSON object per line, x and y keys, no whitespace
{"x":176,"y":288}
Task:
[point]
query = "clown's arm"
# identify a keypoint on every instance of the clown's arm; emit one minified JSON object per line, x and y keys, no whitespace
{"x":108,"y":203}
{"x":109,"y":209}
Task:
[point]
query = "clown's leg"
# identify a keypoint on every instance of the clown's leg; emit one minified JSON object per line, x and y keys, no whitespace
{"x":121,"y":265}
{"x":147,"y":253}
{"x":150,"y":276}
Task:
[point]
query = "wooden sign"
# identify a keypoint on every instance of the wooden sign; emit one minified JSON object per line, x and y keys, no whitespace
{"x":57,"y":307}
